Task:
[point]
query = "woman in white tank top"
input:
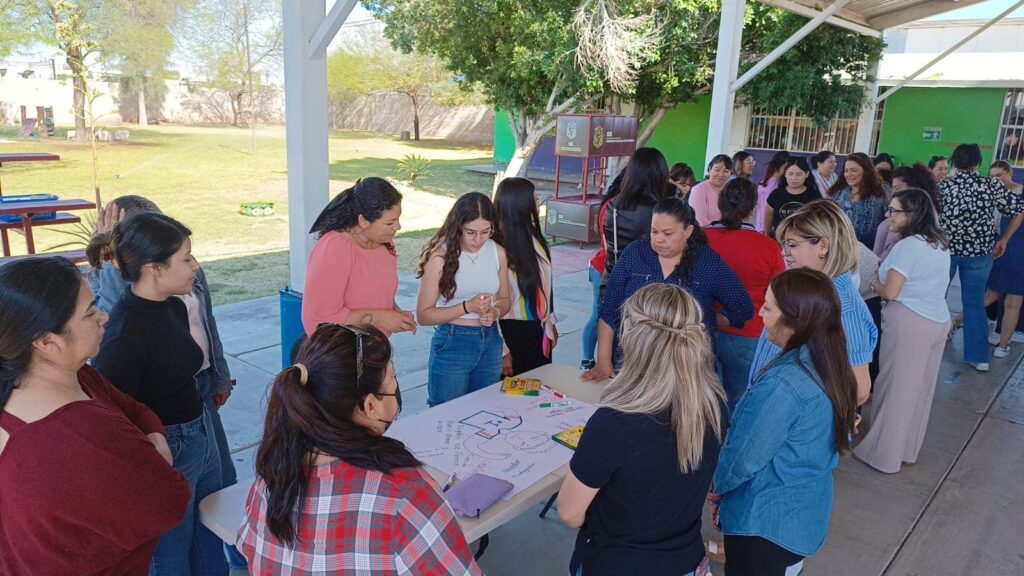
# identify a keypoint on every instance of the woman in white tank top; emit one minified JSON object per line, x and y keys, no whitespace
{"x":463,"y":291}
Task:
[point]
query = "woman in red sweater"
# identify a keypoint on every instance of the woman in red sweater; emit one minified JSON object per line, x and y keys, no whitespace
{"x":87,"y":483}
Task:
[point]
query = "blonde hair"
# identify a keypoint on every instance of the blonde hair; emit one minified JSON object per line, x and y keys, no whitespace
{"x":825,"y":219}
{"x":668,"y":364}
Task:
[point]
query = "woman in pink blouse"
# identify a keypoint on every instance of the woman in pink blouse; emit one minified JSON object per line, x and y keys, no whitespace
{"x":704,"y":196}
{"x":352,"y":272}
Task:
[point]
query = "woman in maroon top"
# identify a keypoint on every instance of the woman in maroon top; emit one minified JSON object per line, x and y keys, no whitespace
{"x":87,"y":483}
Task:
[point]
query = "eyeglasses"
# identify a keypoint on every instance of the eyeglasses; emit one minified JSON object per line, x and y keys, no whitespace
{"x":891,"y":210}
{"x":788,"y":245}
{"x":359,"y":333}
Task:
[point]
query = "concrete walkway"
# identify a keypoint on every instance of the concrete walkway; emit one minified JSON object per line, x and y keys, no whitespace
{"x":958,"y":511}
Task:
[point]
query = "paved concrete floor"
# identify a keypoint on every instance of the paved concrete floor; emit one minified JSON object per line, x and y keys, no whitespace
{"x":957,"y":511}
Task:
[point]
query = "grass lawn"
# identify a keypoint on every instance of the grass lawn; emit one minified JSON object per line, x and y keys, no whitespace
{"x":201,"y":175}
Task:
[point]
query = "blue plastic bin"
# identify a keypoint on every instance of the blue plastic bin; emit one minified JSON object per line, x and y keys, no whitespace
{"x":291,"y":323}
{"x":8,"y":201}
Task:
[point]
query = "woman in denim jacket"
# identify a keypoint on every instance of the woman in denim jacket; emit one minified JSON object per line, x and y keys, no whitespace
{"x":772,"y":489}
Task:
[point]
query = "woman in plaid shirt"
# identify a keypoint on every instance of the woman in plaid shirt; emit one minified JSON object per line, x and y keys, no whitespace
{"x":333,"y":495}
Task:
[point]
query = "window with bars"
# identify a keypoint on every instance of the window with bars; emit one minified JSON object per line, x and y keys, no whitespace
{"x":785,"y":129}
{"x":1010,"y":145}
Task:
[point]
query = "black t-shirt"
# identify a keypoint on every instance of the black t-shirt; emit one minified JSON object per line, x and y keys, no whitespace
{"x":785,"y":204}
{"x":646,"y":517}
{"x":148,"y":353}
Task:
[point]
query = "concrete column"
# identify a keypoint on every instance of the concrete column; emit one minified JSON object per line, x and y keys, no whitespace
{"x":866,"y":123}
{"x":727,"y":63}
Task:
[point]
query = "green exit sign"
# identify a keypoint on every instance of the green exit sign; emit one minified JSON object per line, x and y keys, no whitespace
{"x":931,"y":134}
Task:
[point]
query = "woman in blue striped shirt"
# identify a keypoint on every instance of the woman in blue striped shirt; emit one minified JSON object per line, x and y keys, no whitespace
{"x":820,"y":236}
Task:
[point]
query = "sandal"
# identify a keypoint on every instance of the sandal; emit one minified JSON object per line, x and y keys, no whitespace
{"x":715,"y":551}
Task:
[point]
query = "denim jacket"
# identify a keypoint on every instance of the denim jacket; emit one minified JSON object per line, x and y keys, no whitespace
{"x":775,"y":469}
{"x":108,"y":285}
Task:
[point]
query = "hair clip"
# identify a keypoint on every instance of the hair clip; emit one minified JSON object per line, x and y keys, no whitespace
{"x":303,"y":373}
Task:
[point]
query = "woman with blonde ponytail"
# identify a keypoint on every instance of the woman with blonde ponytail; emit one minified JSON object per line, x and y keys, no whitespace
{"x":637,"y":482}
{"x":329,"y":483}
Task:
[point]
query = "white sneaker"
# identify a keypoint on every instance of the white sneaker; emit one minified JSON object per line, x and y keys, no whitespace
{"x":980,"y":366}
{"x":1001,"y":352}
{"x":1017,"y":337}
{"x":993,"y":338}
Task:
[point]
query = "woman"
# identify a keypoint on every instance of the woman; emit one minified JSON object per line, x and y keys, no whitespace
{"x":642,"y":515}
{"x":704,"y":196}
{"x":823,"y":167}
{"x":1007,"y":277}
{"x":743,"y":165}
{"x":464,"y":290}
{"x":755,"y":259}
{"x":798,"y":189}
{"x":595,"y":274}
{"x":772,"y":175}
{"x":105,"y":491}
{"x":915,"y":321}
{"x":939,"y":168}
{"x":681,"y":176}
{"x":676,"y":254}
{"x":352,"y":272}
{"x":529,"y":326}
{"x":332,"y":493}
{"x":214,"y":378}
{"x":968,"y":202}
{"x":773,"y":483}
{"x":860,"y":193}
{"x":149,"y":353}
{"x":628,"y":217}
{"x":884,"y":161}
{"x":904,"y":177}
{"x":819,"y":236}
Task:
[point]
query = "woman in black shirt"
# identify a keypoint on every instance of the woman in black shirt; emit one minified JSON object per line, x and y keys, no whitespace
{"x":638,"y":480}
{"x":796,"y":188}
{"x":149,"y":353}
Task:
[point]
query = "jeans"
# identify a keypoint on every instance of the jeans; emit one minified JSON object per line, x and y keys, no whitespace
{"x":974,"y":271}
{"x":590,"y":328}
{"x":735,"y":355}
{"x":463,"y":359}
{"x":191,"y":549}
{"x":579,"y":572}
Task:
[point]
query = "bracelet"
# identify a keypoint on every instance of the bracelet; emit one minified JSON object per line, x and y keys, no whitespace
{"x":464,"y":309}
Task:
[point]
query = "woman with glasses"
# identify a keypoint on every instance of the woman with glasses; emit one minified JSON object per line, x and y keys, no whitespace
{"x":352,"y":272}
{"x":913,"y":280}
{"x":819,"y":237}
{"x":333,"y":495}
{"x":464,"y":290}
{"x":528,"y":327}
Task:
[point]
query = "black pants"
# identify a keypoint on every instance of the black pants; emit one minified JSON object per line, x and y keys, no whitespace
{"x":755,"y":556}
{"x":875,"y":307}
{"x":525,"y":341}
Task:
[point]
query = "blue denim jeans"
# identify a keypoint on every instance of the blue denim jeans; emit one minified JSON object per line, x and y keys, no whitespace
{"x":974,"y":271}
{"x":735,"y":355}
{"x":590,"y":328}
{"x":191,"y":549}
{"x":463,"y":359}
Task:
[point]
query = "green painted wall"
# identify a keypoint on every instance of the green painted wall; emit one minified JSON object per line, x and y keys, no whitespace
{"x":682,"y":135}
{"x":965,"y":115}
{"x":504,"y":139}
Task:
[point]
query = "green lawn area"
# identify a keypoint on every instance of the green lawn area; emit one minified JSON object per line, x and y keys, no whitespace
{"x":201,"y":175}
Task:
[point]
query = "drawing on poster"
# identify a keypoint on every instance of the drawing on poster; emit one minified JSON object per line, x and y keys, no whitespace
{"x":504,"y":436}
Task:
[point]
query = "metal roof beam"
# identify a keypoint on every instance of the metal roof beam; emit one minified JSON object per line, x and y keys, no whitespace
{"x":328,"y":29}
{"x":917,"y":12}
{"x":845,"y":19}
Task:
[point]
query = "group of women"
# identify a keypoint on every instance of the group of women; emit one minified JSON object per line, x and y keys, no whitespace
{"x":735,"y":326}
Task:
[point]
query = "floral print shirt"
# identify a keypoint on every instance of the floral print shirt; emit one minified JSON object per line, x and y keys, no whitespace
{"x":968,"y":204}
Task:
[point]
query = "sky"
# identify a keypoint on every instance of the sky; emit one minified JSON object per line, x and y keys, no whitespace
{"x":982,"y":10}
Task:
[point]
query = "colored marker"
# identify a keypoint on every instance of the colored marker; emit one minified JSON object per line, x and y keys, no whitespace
{"x":448,"y":484}
{"x":554,"y":392}
{"x":555,"y":404}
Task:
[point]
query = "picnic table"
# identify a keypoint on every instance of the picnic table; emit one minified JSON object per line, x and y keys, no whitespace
{"x":222,"y":512}
{"x":25,"y":157}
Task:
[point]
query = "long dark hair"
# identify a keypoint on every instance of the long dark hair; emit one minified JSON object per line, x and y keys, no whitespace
{"x":468,"y":207}
{"x":645,"y":180}
{"x":146,"y":238}
{"x":737,"y":200}
{"x":38,"y":296}
{"x":809,"y":181}
{"x":871,"y":184}
{"x":519,"y":225}
{"x":919,"y":176}
{"x":683,"y":213}
{"x":317,"y":417}
{"x":369,"y":198}
{"x":99,"y":248}
{"x":923,"y":217}
{"x":810,"y":307}
{"x":778,"y":161}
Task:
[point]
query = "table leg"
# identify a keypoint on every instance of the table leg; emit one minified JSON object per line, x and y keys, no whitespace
{"x":26,"y":225}
{"x":551,"y":502}
{"x":6,"y":242}
{"x":484,"y":541}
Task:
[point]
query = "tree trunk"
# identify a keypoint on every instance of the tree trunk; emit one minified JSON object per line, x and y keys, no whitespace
{"x":415,"y":117}
{"x":652,"y":125}
{"x":74,"y":60}
{"x":143,"y":115}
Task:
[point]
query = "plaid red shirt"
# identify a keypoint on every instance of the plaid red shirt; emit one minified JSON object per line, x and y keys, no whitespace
{"x":358,"y":522}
